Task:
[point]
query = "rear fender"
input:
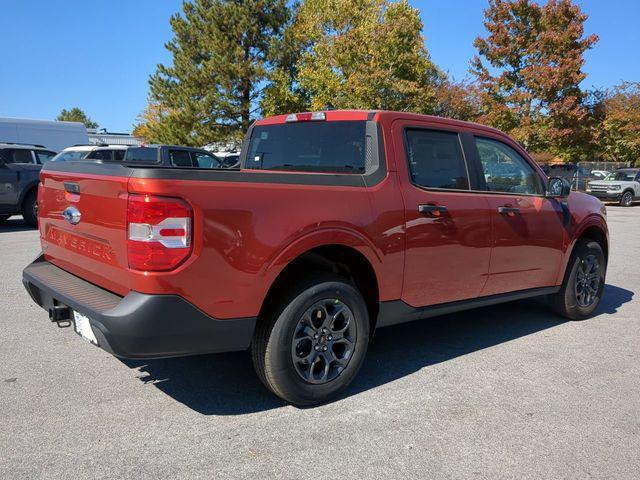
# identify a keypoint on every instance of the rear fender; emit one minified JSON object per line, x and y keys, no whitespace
{"x":323,"y":237}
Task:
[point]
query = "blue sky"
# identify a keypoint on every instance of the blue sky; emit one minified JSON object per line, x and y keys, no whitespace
{"x":98,"y":54}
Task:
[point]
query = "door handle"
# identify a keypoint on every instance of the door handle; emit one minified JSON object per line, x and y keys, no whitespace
{"x":507,"y":210}
{"x":433,"y":210}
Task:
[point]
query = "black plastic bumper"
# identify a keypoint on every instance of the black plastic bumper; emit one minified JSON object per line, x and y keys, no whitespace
{"x":606,"y":195}
{"x":138,"y":325}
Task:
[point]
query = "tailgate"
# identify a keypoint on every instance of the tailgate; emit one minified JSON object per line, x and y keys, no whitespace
{"x":82,"y":209}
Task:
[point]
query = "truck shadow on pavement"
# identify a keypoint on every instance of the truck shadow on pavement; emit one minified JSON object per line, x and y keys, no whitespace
{"x":225,"y":384}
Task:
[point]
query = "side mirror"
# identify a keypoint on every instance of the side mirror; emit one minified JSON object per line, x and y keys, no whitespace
{"x":558,"y":187}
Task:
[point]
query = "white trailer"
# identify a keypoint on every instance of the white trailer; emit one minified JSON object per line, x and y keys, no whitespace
{"x":55,"y":136}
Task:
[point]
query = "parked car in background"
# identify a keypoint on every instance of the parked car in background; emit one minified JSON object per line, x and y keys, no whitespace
{"x":105,"y":153}
{"x":19,"y":175}
{"x":576,"y":174}
{"x":52,"y":135}
{"x":599,"y":174}
{"x":19,"y":169}
{"x":621,"y":186}
{"x":173,"y":156}
{"x":338,"y":223}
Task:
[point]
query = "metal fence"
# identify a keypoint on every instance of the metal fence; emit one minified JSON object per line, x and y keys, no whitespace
{"x":582,"y":173}
{"x":588,"y":171}
{"x":604,"y":166}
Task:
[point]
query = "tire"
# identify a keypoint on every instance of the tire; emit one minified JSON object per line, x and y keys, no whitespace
{"x":287,"y":358}
{"x":627,"y":199}
{"x":571,"y":301}
{"x":4,"y":218}
{"x":30,"y":209}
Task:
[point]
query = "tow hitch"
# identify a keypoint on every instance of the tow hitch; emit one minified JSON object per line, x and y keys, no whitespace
{"x":61,"y":314}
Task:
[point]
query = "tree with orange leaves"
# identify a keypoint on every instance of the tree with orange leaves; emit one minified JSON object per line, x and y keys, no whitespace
{"x":528,"y":71}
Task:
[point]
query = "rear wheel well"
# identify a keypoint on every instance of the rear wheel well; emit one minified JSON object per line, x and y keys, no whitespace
{"x":27,"y":192}
{"x":597,"y":235}
{"x":338,"y":259}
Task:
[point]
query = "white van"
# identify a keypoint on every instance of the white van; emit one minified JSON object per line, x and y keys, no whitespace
{"x":52,"y":135}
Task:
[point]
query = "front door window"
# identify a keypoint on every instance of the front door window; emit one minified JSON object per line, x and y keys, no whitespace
{"x":505,"y":170}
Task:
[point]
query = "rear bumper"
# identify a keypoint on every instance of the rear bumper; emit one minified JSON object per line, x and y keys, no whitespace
{"x":137,"y":325}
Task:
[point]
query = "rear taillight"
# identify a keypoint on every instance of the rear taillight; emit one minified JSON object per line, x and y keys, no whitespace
{"x":39,"y":196}
{"x":158,"y":232}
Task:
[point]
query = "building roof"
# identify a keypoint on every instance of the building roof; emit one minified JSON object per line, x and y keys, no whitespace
{"x":112,"y":138}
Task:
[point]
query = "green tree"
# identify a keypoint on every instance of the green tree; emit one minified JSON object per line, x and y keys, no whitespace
{"x":221,"y":57}
{"x":529,"y":81}
{"x":147,"y":126}
{"x":76,"y":114}
{"x":365,"y":54}
{"x":617,"y":134}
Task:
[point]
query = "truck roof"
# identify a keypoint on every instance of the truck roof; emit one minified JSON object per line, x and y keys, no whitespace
{"x":345,"y":115}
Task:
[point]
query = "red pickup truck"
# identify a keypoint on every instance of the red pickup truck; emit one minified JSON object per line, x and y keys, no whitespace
{"x":338,"y":223}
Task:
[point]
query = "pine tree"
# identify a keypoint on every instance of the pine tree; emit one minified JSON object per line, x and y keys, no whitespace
{"x":221,"y":56}
{"x":76,"y":114}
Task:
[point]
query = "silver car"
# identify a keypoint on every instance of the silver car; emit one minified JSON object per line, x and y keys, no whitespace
{"x":621,"y":186}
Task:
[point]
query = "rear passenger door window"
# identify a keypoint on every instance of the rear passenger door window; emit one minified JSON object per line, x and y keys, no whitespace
{"x":118,"y":155}
{"x":180,"y":158}
{"x":436,"y":160}
{"x":19,"y":155}
{"x":505,"y":170}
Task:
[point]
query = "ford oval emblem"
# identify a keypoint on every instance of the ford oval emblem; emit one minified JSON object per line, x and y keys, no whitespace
{"x":72,"y":215}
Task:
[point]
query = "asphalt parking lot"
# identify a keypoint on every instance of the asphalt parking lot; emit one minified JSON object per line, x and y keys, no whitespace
{"x":502,"y":392}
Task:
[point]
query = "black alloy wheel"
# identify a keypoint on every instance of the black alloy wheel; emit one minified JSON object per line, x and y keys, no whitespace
{"x":587,"y":283}
{"x":627,"y":199}
{"x":323,"y":341}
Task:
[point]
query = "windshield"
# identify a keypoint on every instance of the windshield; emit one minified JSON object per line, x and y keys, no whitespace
{"x":309,"y":146}
{"x":622,"y":176}
{"x":70,"y":155}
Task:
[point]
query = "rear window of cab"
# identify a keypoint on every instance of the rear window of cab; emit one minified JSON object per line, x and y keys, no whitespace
{"x":322,"y":147}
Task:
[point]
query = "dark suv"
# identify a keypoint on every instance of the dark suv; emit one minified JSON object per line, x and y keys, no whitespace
{"x":19,"y":175}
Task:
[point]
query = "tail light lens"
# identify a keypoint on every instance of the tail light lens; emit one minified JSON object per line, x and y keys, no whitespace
{"x":159,"y":232}
{"x":39,"y":196}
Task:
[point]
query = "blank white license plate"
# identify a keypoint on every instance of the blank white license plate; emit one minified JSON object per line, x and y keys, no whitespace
{"x":83,"y":327}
